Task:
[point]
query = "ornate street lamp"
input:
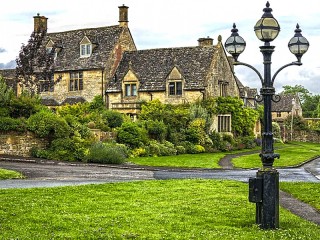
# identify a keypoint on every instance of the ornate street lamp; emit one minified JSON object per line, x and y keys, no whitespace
{"x":264,"y":189}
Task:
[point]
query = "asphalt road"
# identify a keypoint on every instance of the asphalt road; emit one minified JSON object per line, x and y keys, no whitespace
{"x":52,"y":174}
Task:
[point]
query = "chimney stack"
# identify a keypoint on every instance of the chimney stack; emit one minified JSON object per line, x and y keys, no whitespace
{"x":40,"y":23}
{"x":123,"y":16}
{"x":205,"y":42}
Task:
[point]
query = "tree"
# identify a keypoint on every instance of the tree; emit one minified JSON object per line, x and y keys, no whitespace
{"x":35,"y":63}
{"x":6,"y":93}
{"x":297,"y":89}
{"x":311,"y":106}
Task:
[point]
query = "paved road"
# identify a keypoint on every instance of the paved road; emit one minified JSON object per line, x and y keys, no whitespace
{"x":51,"y":174}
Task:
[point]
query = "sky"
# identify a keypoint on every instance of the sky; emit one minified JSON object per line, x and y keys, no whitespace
{"x":179,"y":23}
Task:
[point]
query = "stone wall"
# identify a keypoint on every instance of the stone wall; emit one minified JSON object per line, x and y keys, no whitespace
{"x":303,"y":136}
{"x":20,"y":144}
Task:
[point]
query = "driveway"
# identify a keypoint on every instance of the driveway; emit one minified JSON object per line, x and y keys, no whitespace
{"x":41,"y":173}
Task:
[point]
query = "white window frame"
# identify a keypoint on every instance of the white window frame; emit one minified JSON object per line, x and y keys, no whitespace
{"x":85,"y":50}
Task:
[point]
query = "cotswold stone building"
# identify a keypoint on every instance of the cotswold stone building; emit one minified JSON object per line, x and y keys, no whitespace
{"x":85,"y":59}
{"x":105,"y":61}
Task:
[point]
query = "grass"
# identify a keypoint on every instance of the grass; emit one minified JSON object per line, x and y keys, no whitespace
{"x":306,"y":192}
{"x":290,"y":155}
{"x":203,"y":160}
{"x":8,"y":174}
{"x":174,"y":209}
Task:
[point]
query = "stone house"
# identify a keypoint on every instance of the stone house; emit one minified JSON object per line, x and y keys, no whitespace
{"x":289,"y":104}
{"x":172,"y":75}
{"x":85,"y":59}
{"x":105,"y":61}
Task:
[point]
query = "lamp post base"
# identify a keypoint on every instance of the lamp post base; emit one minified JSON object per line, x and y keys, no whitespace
{"x":267,"y":211}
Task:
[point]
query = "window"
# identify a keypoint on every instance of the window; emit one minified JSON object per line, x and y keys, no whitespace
{"x":278,"y":114}
{"x":224,"y":123}
{"x":223,"y":88}
{"x":130,"y":90}
{"x":76,"y":81}
{"x":85,"y":50}
{"x":49,"y":51}
{"x":175,"y":88}
{"x":46,"y":85}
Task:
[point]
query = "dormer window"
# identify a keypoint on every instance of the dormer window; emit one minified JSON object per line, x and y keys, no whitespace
{"x":85,"y":50}
{"x":130,"y":89}
{"x":175,"y":88}
{"x":130,"y":85}
{"x":175,"y":83}
{"x":49,"y":48}
{"x":85,"y":47}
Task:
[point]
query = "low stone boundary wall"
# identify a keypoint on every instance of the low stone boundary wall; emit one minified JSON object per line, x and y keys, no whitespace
{"x":303,"y":136}
{"x":20,"y":144}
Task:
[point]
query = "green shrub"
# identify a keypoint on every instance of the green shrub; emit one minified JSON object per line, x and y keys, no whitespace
{"x":189,"y":147}
{"x":156,"y":129}
{"x":248,"y":142}
{"x":132,"y":135}
{"x":161,"y":149}
{"x":139,"y":152}
{"x":62,"y":149}
{"x":107,"y":153}
{"x":12,"y":124}
{"x":4,"y":112}
{"x":25,"y":105}
{"x":154,"y":148}
{"x":114,"y":119}
{"x":216,"y":139}
{"x":181,"y":149}
{"x":47,"y":124}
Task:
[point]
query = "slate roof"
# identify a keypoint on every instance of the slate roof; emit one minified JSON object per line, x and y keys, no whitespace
{"x":73,"y":100}
{"x":285,"y":103}
{"x":49,"y":101}
{"x":68,"y":57}
{"x":153,"y":66}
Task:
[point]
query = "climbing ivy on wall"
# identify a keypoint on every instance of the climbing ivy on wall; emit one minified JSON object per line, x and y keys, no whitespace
{"x":243,"y":119}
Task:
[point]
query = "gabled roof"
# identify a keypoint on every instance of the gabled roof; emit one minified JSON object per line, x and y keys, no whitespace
{"x":153,"y":66}
{"x":285,"y":103}
{"x":68,"y":42}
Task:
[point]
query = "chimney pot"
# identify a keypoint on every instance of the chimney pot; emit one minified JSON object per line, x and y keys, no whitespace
{"x":123,"y":16}
{"x":205,"y":42}
{"x":40,"y":23}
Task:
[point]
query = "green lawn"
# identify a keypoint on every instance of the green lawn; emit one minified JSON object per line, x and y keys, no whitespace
{"x":174,"y":209}
{"x":203,"y":160}
{"x":290,"y":155}
{"x":8,"y":174}
{"x":306,"y":192}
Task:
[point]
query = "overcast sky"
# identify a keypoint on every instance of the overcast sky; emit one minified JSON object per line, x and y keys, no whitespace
{"x":179,"y":23}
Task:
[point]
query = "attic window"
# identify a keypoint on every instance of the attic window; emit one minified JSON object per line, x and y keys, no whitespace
{"x":85,"y":50}
{"x":131,"y":90}
{"x":175,"y":88}
{"x":85,"y":47}
{"x":49,"y":49}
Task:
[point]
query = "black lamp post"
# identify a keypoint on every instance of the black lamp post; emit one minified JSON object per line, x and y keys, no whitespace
{"x":264,"y":188}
